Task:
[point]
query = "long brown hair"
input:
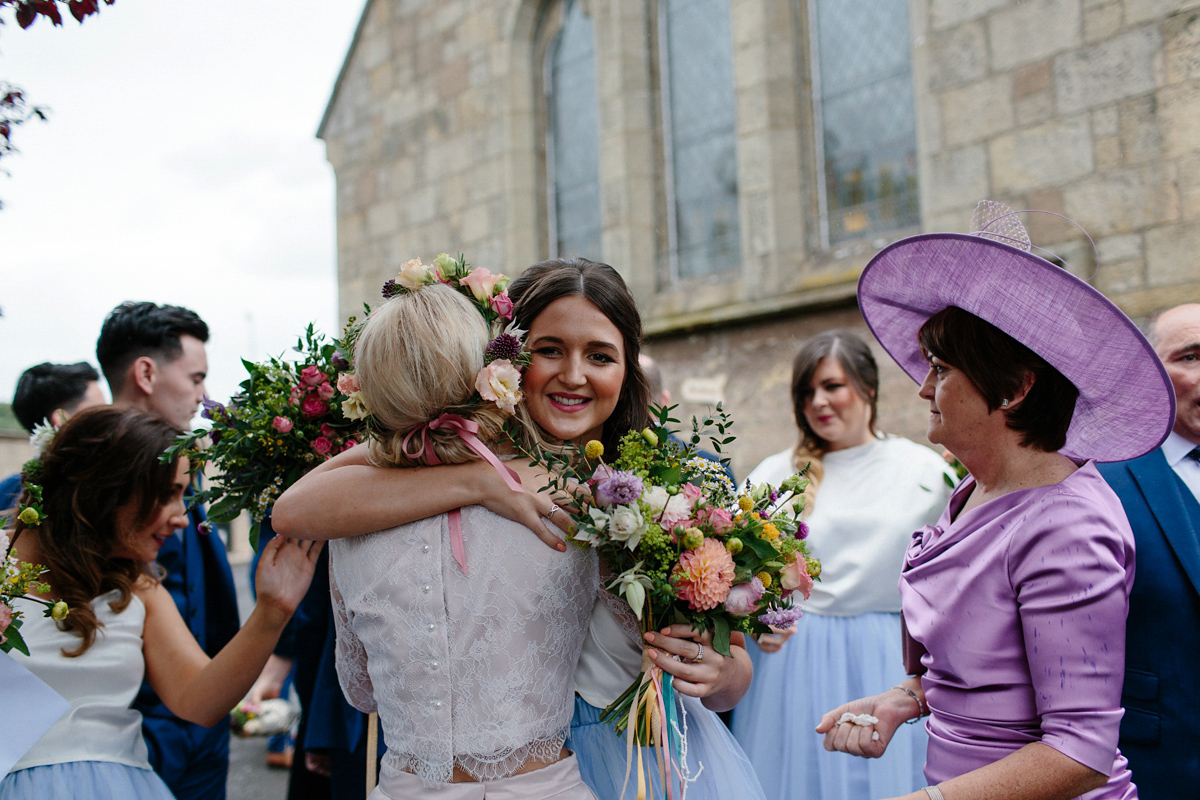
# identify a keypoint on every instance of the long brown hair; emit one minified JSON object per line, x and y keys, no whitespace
{"x":855,"y":358}
{"x":99,"y":461}
{"x":543,"y":283}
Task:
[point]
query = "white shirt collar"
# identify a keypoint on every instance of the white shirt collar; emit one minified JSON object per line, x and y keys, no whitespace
{"x":1176,"y":448}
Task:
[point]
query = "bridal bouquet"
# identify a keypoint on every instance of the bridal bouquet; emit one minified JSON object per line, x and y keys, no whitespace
{"x":684,"y":545}
{"x":288,"y":416}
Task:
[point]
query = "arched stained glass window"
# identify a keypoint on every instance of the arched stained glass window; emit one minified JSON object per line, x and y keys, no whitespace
{"x":866,"y":112}
{"x":700,"y":133}
{"x":573,"y":132}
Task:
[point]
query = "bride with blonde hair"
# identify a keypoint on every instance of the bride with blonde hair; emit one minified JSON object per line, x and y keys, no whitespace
{"x":461,"y":629}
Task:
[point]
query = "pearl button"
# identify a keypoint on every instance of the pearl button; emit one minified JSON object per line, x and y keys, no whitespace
{"x":426,"y":588}
{"x":425,"y":548}
{"x":437,"y":703}
{"x":433,"y":665}
{"x":432,"y":627}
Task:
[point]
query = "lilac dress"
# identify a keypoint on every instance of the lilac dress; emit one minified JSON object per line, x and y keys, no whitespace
{"x":1020,"y":604}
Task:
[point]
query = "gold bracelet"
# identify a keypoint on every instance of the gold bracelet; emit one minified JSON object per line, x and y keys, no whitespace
{"x":934,"y":793}
{"x":922,"y":709}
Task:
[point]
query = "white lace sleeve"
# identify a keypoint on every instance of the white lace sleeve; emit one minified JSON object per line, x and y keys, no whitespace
{"x":349,"y":654}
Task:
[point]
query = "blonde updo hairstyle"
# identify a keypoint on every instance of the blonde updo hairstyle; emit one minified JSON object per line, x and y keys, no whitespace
{"x":417,"y":358}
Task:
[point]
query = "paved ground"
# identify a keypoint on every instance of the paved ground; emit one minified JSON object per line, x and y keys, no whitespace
{"x":249,"y":776}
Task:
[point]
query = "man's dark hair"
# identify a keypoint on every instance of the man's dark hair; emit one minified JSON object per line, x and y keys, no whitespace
{"x":45,"y":388}
{"x":133,"y":330}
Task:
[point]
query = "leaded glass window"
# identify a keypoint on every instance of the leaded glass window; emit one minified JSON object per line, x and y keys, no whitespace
{"x":866,"y":112}
{"x":699,"y":123}
{"x":573,"y":131}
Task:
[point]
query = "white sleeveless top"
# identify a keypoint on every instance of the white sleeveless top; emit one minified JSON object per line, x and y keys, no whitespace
{"x":100,"y":685}
{"x":471,"y":672}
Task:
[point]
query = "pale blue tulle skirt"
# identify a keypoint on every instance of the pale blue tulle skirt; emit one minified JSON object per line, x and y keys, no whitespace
{"x":721,"y":769}
{"x":74,"y":780}
{"x":827,"y":662}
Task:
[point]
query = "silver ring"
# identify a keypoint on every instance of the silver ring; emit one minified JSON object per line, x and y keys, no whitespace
{"x":553,"y":508}
{"x":699,"y":654}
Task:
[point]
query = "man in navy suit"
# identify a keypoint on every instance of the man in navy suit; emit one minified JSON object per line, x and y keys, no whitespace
{"x":153,"y":358}
{"x":1160,"y":730}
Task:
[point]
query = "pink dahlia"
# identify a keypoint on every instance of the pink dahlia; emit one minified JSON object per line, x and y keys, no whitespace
{"x":704,"y":576}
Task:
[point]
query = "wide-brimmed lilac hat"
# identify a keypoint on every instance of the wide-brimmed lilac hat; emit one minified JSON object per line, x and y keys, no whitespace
{"x":1126,"y":404}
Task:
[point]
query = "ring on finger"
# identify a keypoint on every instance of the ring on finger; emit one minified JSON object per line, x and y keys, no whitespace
{"x":699,"y":654}
{"x":553,"y":507}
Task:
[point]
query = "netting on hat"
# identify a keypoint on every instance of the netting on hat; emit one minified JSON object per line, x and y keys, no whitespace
{"x":993,"y":220}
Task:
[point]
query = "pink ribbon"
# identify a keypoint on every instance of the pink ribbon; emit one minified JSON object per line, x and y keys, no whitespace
{"x":466,"y":430}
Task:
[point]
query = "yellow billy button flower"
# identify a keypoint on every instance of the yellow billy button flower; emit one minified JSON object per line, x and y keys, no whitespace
{"x":593,"y":449}
{"x":765,"y":577}
{"x":770,"y":532}
{"x":29,"y":516}
{"x":692,"y":538}
{"x":650,"y":436}
{"x":745,"y":503}
{"x":60,"y":610}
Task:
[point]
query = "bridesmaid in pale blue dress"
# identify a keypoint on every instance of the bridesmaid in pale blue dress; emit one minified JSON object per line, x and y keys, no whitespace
{"x":871,"y":492}
{"x":584,"y":382}
{"x":109,"y":504}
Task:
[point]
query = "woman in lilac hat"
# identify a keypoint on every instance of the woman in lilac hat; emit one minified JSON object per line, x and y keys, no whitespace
{"x":1015,"y":601}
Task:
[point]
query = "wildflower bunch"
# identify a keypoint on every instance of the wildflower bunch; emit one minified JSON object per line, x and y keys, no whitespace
{"x":20,"y":578}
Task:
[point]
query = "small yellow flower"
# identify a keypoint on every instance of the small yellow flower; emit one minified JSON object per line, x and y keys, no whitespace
{"x":770,"y":532}
{"x":593,"y":449}
{"x":745,"y":503}
{"x":765,"y":577}
{"x":29,"y":516}
{"x":60,"y":611}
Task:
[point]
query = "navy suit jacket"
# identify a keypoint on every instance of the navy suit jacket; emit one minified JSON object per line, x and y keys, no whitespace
{"x":330,"y":723}
{"x":200,"y":582}
{"x":1162,"y":678}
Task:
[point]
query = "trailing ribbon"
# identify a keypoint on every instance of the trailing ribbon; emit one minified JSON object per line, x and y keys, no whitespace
{"x":466,"y":430}
{"x":654,"y":712}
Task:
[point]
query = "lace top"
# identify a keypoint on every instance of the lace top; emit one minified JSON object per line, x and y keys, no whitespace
{"x":99,"y":685}
{"x":473,"y":672}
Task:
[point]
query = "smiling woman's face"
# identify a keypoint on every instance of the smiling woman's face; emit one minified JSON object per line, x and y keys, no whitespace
{"x":578,"y":368}
{"x":141,"y":542}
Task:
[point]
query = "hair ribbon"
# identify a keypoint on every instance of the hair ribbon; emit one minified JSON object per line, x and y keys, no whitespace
{"x":466,"y":430}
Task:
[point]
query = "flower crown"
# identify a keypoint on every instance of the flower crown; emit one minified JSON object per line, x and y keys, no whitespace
{"x":504,"y":358}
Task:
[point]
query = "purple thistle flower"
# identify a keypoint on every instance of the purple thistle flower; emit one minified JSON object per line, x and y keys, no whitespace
{"x":504,"y":346}
{"x":619,"y":489}
{"x":390,"y":289}
{"x":802,"y":530}
{"x":205,"y":527}
{"x":780,"y":617}
{"x":774,"y":497}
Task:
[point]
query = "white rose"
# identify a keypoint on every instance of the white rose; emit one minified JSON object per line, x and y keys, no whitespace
{"x":626,"y":525}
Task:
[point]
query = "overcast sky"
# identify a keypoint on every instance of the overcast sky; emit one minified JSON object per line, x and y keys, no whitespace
{"x":179,"y":165}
